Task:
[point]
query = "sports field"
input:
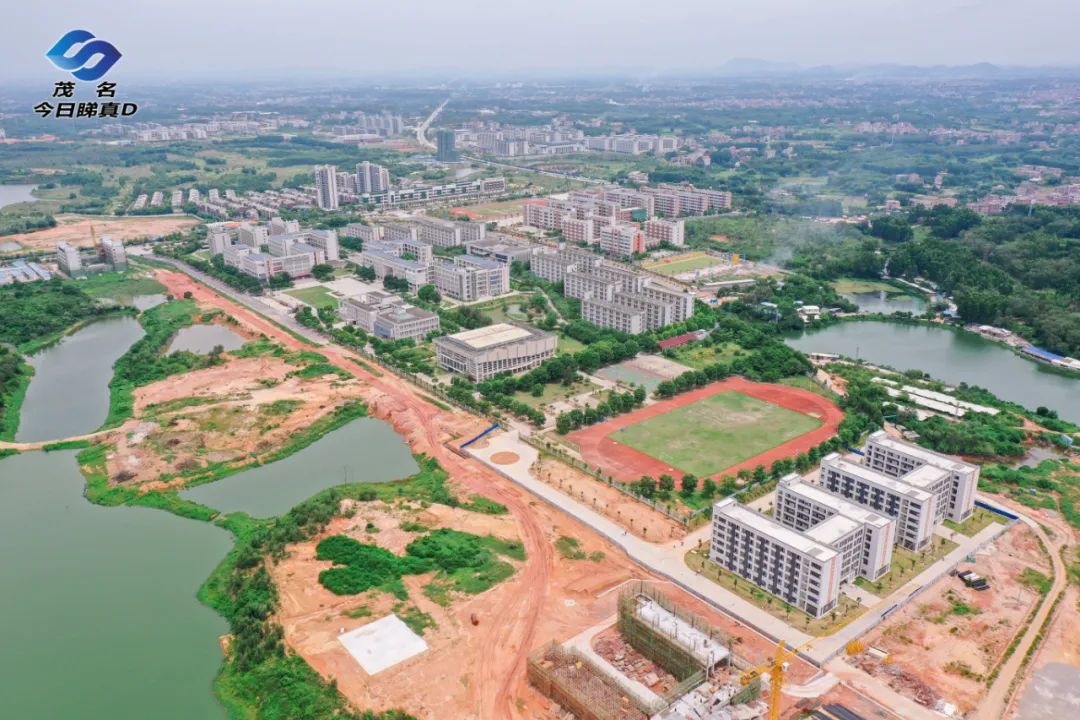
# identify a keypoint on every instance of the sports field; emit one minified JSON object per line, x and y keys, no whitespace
{"x":687,"y":262}
{"x":489,"y":211}
{"x":716,"y":432}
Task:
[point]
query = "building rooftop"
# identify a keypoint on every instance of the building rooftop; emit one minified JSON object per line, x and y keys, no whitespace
{"x":920,"y":453}
{"x":831,"y":530}
{"x":874,"y":477}
{"x":491,"y":336}
{"x":770,"y":528}
{"x":840,"y":504}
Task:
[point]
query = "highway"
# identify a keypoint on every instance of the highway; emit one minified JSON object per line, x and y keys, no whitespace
{"x":422,"y":128}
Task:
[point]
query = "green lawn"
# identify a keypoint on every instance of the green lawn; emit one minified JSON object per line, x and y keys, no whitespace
{"x":568,"y":345}
{"x":978,"y":520}
{"x":693,"y":261}
{"x":845,"y":611}
{"x":553,"y":392}
{"x":316,"y":296}
{"x":906,"y":564}
{"x":120,"y":286}
{"x":861,"y":285}
{"x":699,"y":356}
{"x":705,"y":437}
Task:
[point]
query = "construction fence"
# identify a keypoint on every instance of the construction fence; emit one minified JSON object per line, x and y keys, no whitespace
{"x":575,"y":683}
{"x":656,"y":645}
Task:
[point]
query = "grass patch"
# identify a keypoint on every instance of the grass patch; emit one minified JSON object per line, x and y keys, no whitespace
{"x":682,"y":263}
{"x":699,"y":356}
{"x":906,"y":564}
{"x":67,"y":445}
{"x":417,"y":620}
{"x":862,"y":285}
{"x":360,"y":611}
{"x":316,"y":296}
{"x":120,"y":286}
{"x":554,"y":392}
{"x":714,"y":433}
{"x":845,"y":611}
{"x":804,"y":383}
{"x":979,"y":519}
{"x":570,"y":548}
{"x":17,"y":376}
{"x":1036,"y":580}
{"x":568,"y":345}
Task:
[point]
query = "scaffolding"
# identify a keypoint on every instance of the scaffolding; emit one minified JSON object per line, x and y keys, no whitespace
{"x":689,"y":648}
{"x":574,"y":682}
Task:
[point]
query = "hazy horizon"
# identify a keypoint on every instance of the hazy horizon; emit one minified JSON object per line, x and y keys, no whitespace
{"x":487,"y":38}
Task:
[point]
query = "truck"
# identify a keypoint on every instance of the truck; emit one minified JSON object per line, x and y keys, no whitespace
{"x":976,"y":582}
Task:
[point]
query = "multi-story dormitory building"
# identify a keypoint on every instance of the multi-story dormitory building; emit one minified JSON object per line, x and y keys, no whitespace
{"x":400,"y":253}
{"x":288,"y":248}
{"x":845,"y":525}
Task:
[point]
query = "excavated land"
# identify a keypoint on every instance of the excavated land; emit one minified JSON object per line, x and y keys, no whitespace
{"x":231,"y":413}
{"x":469,"y":672}
{"x":75,"y":229}
{"x":947,"y":640}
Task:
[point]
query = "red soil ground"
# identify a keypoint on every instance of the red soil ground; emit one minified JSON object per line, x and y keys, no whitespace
{"x":627,"y":464}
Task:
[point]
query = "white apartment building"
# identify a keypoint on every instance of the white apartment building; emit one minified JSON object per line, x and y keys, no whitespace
{"x":366,"y":233}
{"x":659,"y":231}
{"x":282,"y":227}
{"x":682,"y":300}
{"x":113,"y":252}
{"x":607,"y":314}
{"x":914,"y":509}
{"x":470,"y":278}
{"x":489,"y":351}
{"x":553,"y":265}
{"x":588,"y":286}
{"x":387,"y":316}
{"x":326,"y":189}
{"x":472,"y":231}
{"x":217,"y":241}
{"x":439,"y":232}
{"x":371,"y":178}
{"x":254,"y":236}
{"x":622,"y":240}
{"x":263,"y":266}
{"x":897,"y":459}
{"x":863,"y":537}
{"x":657,"y":313}
{"x":68,"y":260}
{"x":400,"y":232}
{"x":797,"y":569}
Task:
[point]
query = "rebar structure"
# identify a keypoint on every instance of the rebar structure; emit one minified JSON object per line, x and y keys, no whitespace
{"x":573,"y":681}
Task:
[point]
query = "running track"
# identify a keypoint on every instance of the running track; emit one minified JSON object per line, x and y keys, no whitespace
{"x":626,"y":464}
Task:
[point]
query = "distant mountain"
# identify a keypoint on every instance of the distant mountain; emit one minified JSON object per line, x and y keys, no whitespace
{"x":757,"y":66}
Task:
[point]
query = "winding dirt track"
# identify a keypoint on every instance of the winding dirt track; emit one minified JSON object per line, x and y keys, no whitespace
{"x":600,"y":449}
{"x":507,"y":636}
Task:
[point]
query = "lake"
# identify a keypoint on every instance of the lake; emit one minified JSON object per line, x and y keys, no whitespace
{"x":100,"y":619}
{"x":69,"y":393}
{"x":951,"y":356}
{"x":11,"y":194}
{"x":365,"y":450}
{"x":204,"y":338}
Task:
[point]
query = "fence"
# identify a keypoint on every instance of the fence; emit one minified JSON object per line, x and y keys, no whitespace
{"x":574,"y":682}
{"x":558,"y":452}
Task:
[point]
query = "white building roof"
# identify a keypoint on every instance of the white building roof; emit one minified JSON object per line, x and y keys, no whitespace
{"x":840,"y":504}
{"x":486,"y":337}
{"x":919,"y":453}
{"x":873,"y":477}
{"x":831,"y":530}
{"x":773,"y":530}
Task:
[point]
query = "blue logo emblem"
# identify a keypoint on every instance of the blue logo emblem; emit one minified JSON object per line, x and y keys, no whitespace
{"x":78,"y":63}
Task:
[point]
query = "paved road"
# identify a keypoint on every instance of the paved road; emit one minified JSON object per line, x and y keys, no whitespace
{"x":549,"y":173}
{"x":422,"y":128}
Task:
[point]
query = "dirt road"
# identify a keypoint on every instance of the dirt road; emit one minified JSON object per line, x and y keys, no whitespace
{"x":509,"y":634}
{"x":997,"y":698}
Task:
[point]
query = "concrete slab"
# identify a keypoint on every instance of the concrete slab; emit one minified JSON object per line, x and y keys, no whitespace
{"x":382,"y":644}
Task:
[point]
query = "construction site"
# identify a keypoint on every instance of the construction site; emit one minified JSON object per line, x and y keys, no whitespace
{"x":658,"y":661}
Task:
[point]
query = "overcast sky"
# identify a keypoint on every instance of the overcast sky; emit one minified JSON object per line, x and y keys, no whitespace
{"x":178,"y":39}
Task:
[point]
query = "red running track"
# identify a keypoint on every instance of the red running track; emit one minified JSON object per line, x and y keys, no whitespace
{"x":626,"y":464}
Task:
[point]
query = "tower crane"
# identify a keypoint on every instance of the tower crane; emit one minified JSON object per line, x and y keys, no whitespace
{"x":775,"y":667}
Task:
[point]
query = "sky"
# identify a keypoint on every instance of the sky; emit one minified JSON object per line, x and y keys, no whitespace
{"x":462,"y":39}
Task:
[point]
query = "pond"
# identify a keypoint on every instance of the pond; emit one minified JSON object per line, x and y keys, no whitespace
{"x":886,"y":303}
{"x":100,"y":619}
{"x":949,"y":355}
{"x":204,"y":338}
{"x":69,"y":393}
{"x":12,"y":194}
{"x":365,"y":450}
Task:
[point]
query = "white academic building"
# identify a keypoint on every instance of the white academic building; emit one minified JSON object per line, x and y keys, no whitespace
{"x":489,"y":351}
